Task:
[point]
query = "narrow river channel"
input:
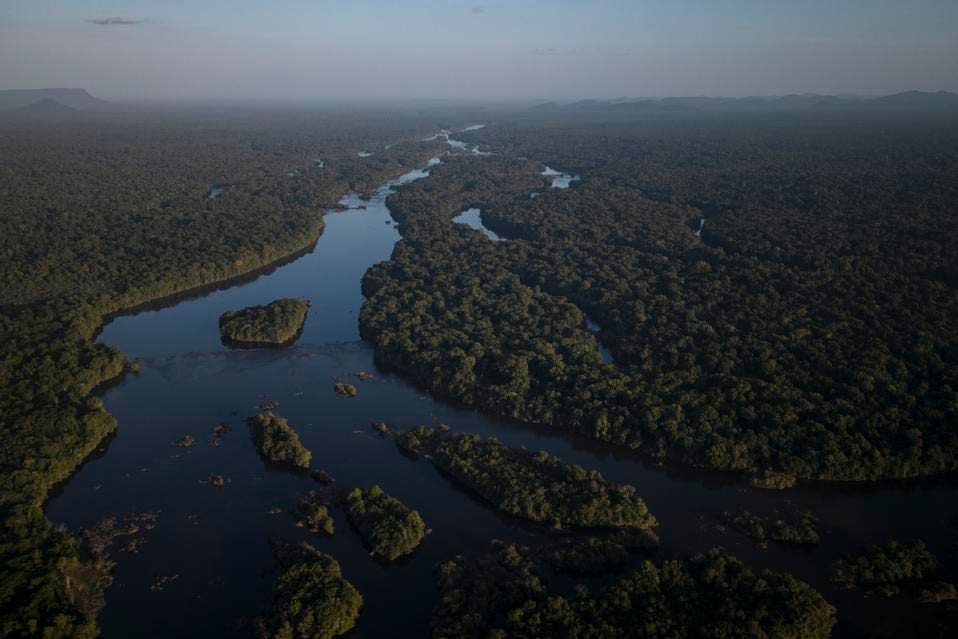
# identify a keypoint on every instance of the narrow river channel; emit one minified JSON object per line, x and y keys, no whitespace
{"x":205,"y":570}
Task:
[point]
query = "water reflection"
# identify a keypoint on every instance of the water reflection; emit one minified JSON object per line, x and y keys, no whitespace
{"x":472,"y":218}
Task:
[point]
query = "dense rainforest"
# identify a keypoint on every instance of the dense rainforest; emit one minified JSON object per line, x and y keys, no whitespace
{"x":806,"y":327}
{"x":311,"y":599}
{"x":105,"y":212}
{"x":532,"y":485}
{"x":805,"y":330}
{"x":506,"y":594}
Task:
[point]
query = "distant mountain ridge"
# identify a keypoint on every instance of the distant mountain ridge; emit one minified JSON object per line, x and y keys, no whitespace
{"x":45,"y":108}
{"x":937,"y":101}
{"x":78,"y":99}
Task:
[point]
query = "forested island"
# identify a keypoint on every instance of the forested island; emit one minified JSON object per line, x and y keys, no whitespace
{"x":278,"y":442}
{"x":389,"y":528}
{"x":311,"y":599}
{"x":536,"y":486}
{"x":504,"y":594}
{"x":275,"y":324}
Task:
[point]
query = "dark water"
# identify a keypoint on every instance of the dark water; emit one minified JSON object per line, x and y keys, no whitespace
{"x":217,"y":540}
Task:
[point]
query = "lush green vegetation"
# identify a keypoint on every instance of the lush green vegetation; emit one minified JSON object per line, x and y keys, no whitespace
{"x":311,"y":600}
{"x":315,"y":513}
{"x":938,"y":592}
{"x":885,"y":569}
{"x":276,"y":323}
{"x":810,"y":332}
{"x":278,"y":442}
{"x":504,"y":594}
{"x":802,"y":529}
{"x":103,"y":215}
{"x":389,"y":528}
{"x":536,"y":486}
{"x":796,"y":335}
{"x":598,"y":555}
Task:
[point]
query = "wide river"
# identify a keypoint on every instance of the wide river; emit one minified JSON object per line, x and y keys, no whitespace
{"x":209,"y":558}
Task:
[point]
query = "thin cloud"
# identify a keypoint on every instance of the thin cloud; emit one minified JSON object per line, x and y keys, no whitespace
{"x":115,"y":20}
{"x":478,"y":9}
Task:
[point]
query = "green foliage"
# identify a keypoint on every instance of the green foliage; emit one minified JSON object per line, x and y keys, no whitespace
{"x":712,"y":595}
{"x":389,"y":528}
{"x":315,"y":514}
{"x":101,"y":217}
{"x":311,"y":600}
{"x":773,"y":480}
{"x":536,"y":486}
{"x":277,"y":441}
{"x":598,"y":555}
{"x":794,"y":336}
{"x":802,"y":530}
{"x":938,"y":592}
{"x":590,"y":556}
{"x":885,"y":568}
{"x":276,"y":323}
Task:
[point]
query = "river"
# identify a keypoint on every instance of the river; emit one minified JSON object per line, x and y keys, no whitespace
{"x":213,"y":544}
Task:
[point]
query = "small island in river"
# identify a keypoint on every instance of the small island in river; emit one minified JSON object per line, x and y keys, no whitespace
{"x":385,"y":523}
{"x":278,"y":442}
{"x":275,"y":324}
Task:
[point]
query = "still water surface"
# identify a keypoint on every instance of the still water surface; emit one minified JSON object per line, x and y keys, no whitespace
{"x":217,"y":540}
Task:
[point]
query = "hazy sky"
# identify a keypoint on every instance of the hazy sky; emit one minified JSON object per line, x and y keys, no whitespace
{"x":477,"y":49}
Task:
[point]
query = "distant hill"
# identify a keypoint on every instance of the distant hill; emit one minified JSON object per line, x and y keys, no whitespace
{"x":72,"y":98}
{"x":45,"y":108}
{"x":939,"y":101}
{"x":923,"y":100}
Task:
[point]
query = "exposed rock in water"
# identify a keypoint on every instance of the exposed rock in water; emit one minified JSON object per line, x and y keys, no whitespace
{"x":774,"y":480}
{"x":380,"y":427}
{"x":322,"y":477}
{"x":162,"y":581}
{"x":345,"y":390}
{"x":185,"y":441}
{"x":216,"y":480}
{"x":218,"y":432}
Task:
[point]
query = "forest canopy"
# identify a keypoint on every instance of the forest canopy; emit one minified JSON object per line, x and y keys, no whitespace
{"x":536,"y":486}
{"x":807,"y":328}
{"x":503,"y":594}
{"x":277,"y":323}
{"x":387,"y":526}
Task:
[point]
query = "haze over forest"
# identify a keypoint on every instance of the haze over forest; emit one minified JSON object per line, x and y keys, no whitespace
{"x":562,"y":49}
{"x":444,"y":319}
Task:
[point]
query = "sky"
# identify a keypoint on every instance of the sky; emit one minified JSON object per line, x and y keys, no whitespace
{"x":451,"y":49}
